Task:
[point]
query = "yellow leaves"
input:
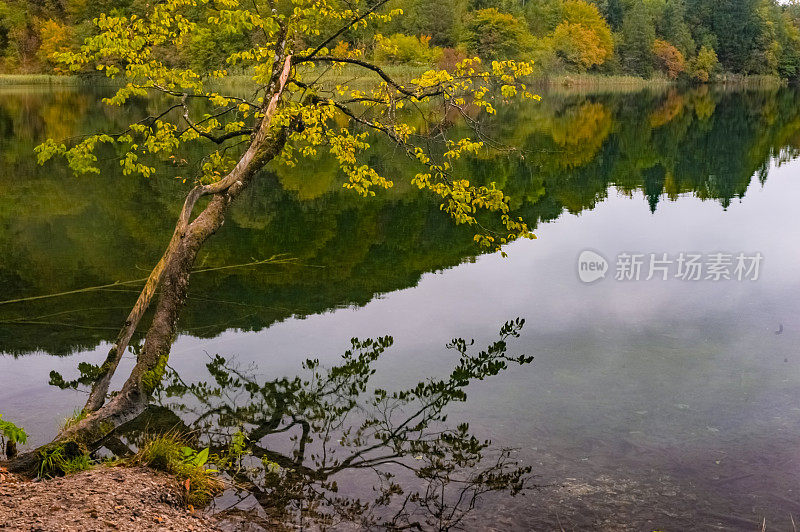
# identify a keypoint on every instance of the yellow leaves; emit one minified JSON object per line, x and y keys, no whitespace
{"x":236,"y":20}
{"x":130,"y":164}
{"x":48,"y":149}
{"x":316,"y":130}
{"x":456,"y":149}
{"x":215,"y":167}
{"x":421,"y":156}
{"x":234,"y":126}
{"x":508,"y":91}
{"x":463,"y":201}
{"x":219,"y":100}
{"x":580,"y":45}
{"x":403,"y":131}
{"x":421,"y":180}
{"x":80,"y":157}
{"x":343,"y":49}
{"x":467,"y":67}
{"x":584,"y":37}
{"x":345,"y":146}
{"x":125,"y":93}
{"x":363,"y":178}
{"x":432,"y":78}
{"x":511,"y":70}
{"x":316,"y":117}
{"x":55,"y":38}
{"x":488,"y":107}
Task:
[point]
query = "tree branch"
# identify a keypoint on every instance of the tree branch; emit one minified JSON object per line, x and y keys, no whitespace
{"x":347,"y":26}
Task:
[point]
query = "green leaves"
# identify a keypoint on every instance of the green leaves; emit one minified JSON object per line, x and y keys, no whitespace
{"x":146,"y":51}
{"x":195,"y":458}
{"x":12,"y":432}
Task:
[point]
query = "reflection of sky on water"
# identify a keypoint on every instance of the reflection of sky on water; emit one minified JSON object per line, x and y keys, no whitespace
{"x":622,"y":370}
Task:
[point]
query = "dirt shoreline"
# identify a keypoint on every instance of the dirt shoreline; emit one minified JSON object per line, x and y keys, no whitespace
{"x":101,"y":499}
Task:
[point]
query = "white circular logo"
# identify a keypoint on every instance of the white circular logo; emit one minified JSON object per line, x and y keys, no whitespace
{"x":591,"y":266}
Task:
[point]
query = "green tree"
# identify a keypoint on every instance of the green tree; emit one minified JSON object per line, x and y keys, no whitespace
{"x":733,"y":28}
{"x":13,"y":25}
{"x":738,"y":28}
{"x":612,"y":10}
{"x":543,"y":16}
{"x":703,"y":66}
{"x":294,"y":115}
{"x":671,"y":26}
{"x":437,"y":19}
{"x":494,"y":35}
{"x":784,"y":41}
{"x":638,"y":34}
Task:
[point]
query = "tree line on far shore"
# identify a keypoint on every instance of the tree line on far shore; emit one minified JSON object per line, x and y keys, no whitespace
{"x":676,"y":39}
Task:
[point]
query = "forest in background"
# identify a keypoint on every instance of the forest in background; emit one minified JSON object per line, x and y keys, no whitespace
{"x":671,"y":39}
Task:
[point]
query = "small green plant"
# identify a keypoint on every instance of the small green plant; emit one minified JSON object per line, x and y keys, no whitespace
{"x":195,"y":458}
{"x":12,"y":433}
{"x":49,"y":460}
{"x":10,"y":436}
{"x":169,"y":453}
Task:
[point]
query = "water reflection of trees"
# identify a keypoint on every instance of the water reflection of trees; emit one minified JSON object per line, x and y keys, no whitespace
{"x":59,"y":233}
{"x":293,"y":444}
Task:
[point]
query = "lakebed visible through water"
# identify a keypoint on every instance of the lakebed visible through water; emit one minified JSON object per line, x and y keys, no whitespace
{"x":650,"y":404}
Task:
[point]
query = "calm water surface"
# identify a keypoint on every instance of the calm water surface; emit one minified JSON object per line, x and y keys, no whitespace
{"x":649,"y":405}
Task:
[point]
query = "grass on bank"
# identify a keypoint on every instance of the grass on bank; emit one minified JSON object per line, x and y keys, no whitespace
{"x":170,"y":454}
{"x":165,"y":452}
{"x":65,"y":459}
{"x":602,"y":80}
{"x":41,"y":79}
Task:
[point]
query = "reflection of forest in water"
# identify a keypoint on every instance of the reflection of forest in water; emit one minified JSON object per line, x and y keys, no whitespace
{"x":60,"y":233}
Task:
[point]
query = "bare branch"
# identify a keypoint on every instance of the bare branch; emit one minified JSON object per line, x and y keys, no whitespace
{"x":369,"y":66}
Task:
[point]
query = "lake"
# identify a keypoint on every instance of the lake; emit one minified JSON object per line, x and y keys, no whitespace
{"x":664,"y":403}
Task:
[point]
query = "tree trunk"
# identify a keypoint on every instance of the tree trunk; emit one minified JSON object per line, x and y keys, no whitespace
{"x":172,"y":274}
{"x":135,"y":394}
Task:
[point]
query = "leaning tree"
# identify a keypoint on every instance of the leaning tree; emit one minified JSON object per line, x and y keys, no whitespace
{"x":294,"y":51}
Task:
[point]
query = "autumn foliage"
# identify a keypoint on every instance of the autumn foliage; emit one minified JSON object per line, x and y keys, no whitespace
{"x":668,"y":59}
